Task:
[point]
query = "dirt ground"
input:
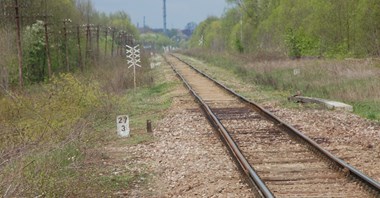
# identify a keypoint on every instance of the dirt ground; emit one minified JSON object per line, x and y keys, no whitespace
{"x":185,"y":159}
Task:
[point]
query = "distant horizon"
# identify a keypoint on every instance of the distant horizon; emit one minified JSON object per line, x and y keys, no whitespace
{"x":177,"y":16}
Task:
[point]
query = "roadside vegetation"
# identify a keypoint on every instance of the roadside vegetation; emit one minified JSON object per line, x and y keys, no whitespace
{"x":53,"y":135}
{"x":54,"y":126}
{"x":73,"y":36}
{"x":354,"y":81}
{"x":294,"y":28}
{"x":322,"y":48}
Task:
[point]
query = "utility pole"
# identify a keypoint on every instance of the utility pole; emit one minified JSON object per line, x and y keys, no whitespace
{"x":19,"y":49}
{"x":87,"y":41}
{"x":113,"y":40}
{"x":97,"y":42}
{"x":123,"y":41}
{"x":47,"y":50}
{"x":58,"y":50}
{"x":79,"y":49}
{"x":65,"y":21}
{"x":91,"y":51}
{"x":120,"y":47}
{"x":18,"y":16}
{"x":241,"y":28}
{"x":105,"y":47}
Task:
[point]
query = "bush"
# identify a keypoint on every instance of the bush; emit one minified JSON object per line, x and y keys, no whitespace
{"x":48,"y":116}
{"x":34,"y":66}
{"x":44,"y":133}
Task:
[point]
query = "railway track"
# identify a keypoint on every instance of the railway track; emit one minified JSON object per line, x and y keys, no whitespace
{"x":278,"y":160}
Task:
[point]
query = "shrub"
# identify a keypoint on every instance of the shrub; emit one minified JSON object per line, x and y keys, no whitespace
{"x":48,"y":116}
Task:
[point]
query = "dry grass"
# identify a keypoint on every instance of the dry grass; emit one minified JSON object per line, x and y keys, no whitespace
{"x":115,"y":76}
{"x":48,"y":129}
{"x":353,"y":81}
{"x":7,"y":56}
{"x":348,"y":80}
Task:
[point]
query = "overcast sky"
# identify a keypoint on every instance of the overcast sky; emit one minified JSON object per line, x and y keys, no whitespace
{"x":179,"y":12}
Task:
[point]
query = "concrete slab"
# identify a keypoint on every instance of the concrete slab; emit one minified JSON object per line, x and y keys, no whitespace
{"x":327,"y":103}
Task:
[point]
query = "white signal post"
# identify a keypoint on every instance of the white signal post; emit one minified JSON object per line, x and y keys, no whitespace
{"x":133,"y":56}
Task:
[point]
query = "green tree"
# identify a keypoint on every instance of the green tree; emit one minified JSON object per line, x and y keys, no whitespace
{"x":35,"y":52}
{"x":331,"y":28}
{"x":201,"y":31}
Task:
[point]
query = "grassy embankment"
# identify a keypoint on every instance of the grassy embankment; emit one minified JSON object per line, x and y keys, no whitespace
{"x":53,"y":134}
{"x":355,"y":82}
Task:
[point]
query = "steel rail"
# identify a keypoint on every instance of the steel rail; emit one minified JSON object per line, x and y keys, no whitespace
{"x":242,"y":162}
{"x":374,"y":185}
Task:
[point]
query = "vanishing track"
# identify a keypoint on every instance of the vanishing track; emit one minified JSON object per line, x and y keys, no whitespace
{"x":281,"y":163}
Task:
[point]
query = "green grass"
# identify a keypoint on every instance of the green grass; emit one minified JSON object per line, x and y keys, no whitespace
{"x":69,"y":162}
{"x":352,"y":82}
{"x":116,"y":182}
{"x":147,"y":103}
{"x":142,"y":104}
{"x":48,"y":173}
{"x":368,"y":109}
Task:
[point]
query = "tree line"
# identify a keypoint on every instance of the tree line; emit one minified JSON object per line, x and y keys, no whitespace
{"x":320,"y":28}
{"x":57,"y":36}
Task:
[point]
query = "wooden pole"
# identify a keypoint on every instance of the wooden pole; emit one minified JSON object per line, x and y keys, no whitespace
{"x":58,"y":52}
{"x":90,"y":49}
{"x":134,"y":76}
{"x":113,"y":40}
{"x":87,"y":41}
{"x":79,"y":49}
{"x":105,"y":48}
{"x":47,"y":49}
{"x":19,"y":49}
{"x":149,"y":126}
{"x":66,"y":45}
{"x":97,"y":42}
{"x":118,"y":46}
{"x":121,"y":46}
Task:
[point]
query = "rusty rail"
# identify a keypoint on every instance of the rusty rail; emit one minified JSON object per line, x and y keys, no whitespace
{"x":242,"y":162}
{"x":374,"y":185}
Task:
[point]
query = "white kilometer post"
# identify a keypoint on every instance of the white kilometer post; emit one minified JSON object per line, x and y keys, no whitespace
{"x":133,"y":56}
{"x":122,"y":124}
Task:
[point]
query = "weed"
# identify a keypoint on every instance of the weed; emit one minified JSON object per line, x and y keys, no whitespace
{"x":49,"y":130}
{"x":351,"y":81}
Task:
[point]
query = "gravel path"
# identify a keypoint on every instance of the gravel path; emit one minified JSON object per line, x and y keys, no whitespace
{"x":190,"y":160}
{"x":351,"y":138}
{"x":186,"y":159}
{"x":346,"y":135}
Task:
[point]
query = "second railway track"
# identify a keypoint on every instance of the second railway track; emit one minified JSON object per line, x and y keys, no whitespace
{"x":278,"y":160}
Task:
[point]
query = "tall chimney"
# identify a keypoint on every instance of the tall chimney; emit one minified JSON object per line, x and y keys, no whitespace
{"x":164,"y":16}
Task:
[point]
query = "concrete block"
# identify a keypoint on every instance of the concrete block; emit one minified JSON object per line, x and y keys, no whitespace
{"x":327,"y":103}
